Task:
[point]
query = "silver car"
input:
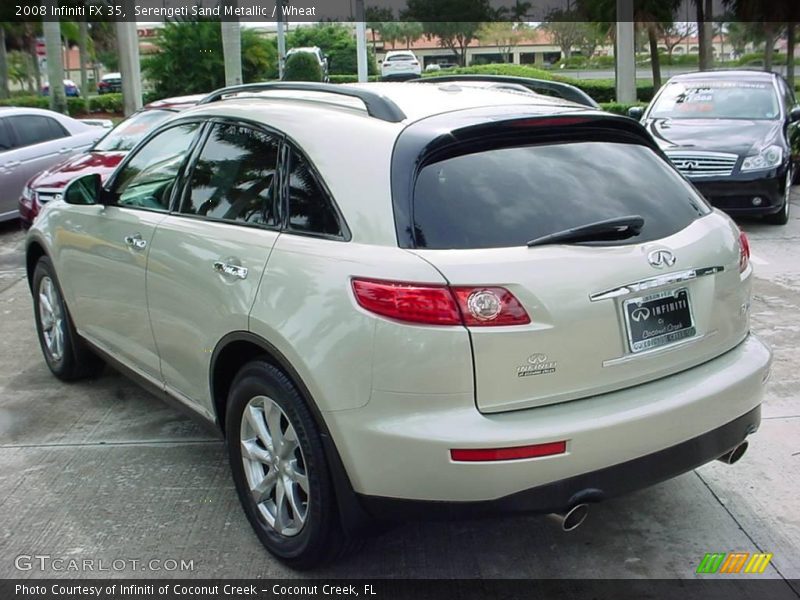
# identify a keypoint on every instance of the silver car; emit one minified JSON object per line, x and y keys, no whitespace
{"x":410,"y":300}
{"x":32,"y":140}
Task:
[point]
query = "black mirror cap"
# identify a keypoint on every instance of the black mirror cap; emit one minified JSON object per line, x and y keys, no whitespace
{"x":84,"y":190}
{"x":636,"y":112}
{"x":794,"y":114}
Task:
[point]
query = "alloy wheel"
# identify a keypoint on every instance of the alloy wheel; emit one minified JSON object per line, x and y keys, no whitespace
{"x":274,"y":466}
{"x":51,"y":316}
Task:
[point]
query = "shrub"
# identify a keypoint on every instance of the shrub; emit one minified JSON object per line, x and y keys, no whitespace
{"x":496,"y":69}
{"x":302,"y":66}
{"x":108,"y":103}
{"x":619,"y":108}
{"x":28,"y":101}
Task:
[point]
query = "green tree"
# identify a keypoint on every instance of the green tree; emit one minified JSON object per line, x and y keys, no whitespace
{"x":302,"y":66}
{"x":375,"y":17}
{"x":189,"y":58}
{"x":503,"y":34}
{"x":337,"y":41}
{"x":454,"y":22}
{"x":409,"y":32}
{"x":565,"y":28}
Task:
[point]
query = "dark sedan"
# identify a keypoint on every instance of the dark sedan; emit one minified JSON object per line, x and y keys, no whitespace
{"x":734,"y":134}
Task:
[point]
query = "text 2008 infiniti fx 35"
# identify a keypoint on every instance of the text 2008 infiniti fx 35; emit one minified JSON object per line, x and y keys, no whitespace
{"x":407,"y":299}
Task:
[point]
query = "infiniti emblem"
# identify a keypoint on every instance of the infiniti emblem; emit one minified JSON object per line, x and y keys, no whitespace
{"x":640,"y":314}
{"x":661,"y":258}
{"x":689,"y":165}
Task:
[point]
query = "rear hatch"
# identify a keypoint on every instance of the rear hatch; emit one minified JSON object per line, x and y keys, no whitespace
{"x":604,"y":313}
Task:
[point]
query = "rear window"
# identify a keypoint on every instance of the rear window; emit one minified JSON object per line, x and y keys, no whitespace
{"x":400,"y":57}
{"x":507,"y":196}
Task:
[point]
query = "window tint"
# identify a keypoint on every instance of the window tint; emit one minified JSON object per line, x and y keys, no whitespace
{"x":788,"y":96}
{"x":35,"y":129}
{"x":508,"y":196}
{"x":310,"y":209}
{"x":234,"y":176}
{"x":129,"y":132}
{"x":5,"y":138}
{"x":147,"y":180}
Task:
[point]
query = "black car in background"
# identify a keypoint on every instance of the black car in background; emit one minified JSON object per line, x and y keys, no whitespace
{"x":734,"y":134}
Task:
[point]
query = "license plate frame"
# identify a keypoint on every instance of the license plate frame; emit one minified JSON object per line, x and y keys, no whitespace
{"x":675,"y":325}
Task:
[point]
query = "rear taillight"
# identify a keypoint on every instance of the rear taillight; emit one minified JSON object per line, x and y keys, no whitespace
{"x":744,"y":251}
{"x":439,"y":304}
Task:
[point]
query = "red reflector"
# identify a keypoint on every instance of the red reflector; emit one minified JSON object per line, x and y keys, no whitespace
{"x":519,"y":452}
{"x":426,"y":304}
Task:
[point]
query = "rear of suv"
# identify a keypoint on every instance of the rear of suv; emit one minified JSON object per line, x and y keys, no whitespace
{"x":400,"y":299}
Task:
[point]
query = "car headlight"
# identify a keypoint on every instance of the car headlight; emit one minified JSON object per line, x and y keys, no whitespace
{"x":768,"y":158}
{"x":28,"y":195}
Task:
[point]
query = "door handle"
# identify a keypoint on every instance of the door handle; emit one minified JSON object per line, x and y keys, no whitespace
{"x":12,"y":164}
{"x":135,"y":241}
{"x":64,"y":150}
{"x":230,"y":270}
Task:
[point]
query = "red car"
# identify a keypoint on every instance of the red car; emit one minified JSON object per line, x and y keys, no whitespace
{"x":101,"y":158}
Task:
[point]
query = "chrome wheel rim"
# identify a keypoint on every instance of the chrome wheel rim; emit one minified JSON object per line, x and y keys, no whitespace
{"x":51,"y":317}
{"x":274,"y":466}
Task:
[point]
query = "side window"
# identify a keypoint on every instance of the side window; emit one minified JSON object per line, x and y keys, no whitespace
{"x":5,"y":137}
{"x":147,"y":179}
{"x":234,"y":176}
{"x":35,"y":129}
{"x":310,"y":208}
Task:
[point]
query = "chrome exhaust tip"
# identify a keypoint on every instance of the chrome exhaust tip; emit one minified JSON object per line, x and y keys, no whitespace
{"x":734,"y":455}
{"x":571,"y":519}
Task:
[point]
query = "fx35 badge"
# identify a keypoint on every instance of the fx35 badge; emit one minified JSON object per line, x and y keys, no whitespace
{"x":537,"y":364}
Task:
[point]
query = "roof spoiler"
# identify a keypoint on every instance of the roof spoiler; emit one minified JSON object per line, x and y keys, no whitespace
{"x":562,"y":90}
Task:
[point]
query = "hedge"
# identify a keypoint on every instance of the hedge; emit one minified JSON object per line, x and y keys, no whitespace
{"x":109,"y":103}
{"x":620,"y":108}
{"x":302,"y":66}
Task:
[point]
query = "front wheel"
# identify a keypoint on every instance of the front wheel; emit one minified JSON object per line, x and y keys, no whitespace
{"x":782,"y":217}
{"x":279,"y":468}
{"x":65,"y":353}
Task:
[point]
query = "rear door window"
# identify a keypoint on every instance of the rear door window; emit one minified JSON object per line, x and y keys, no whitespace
{"x":311,"y":210}
{"x":6,"y":142}
{"x":234,"y":177}
{"x":507,"y":196}
{"x":35,"y":129}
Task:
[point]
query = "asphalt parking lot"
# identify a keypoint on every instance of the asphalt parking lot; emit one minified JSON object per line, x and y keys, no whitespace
{"x":102,"y":471}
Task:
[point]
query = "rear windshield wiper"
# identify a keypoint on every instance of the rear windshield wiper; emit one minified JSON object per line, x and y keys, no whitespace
{"x":619,"y":228}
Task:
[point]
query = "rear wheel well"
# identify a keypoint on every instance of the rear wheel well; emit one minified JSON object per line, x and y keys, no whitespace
{"x":32,"y":255}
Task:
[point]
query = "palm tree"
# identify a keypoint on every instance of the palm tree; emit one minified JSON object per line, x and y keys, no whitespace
{"x":55,"y":64}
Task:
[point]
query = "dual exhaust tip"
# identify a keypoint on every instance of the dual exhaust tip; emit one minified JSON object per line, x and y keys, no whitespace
{"x":571,"y":519}
{"x":733,"y":456}
{"x":575,"y":516}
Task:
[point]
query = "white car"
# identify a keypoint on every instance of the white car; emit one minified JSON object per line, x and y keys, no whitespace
{"x":400,"y":64}
{"x":405,"y":300}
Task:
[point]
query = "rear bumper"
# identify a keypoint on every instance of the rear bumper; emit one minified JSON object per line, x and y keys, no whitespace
{"x":735,"y":196}
{"x":588,"y":487}
{"x":397,"y":447}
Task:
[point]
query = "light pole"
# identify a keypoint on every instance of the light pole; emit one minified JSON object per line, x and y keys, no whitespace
{"x":625,"y":53}
{"x":361,"y":41}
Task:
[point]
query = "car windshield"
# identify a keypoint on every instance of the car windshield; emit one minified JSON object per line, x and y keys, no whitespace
{"x":125,"y":135}
{"x":717,"y":100}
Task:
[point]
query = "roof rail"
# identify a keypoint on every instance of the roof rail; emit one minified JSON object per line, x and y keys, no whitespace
{"x":377,"y":105}
{"x":562,"y":90}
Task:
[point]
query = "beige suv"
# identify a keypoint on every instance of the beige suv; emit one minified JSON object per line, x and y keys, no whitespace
{"x":410,"y":299}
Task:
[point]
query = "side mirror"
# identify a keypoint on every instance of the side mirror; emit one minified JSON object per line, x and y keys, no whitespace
{"x":84,"y":190}
{"x":794,"y":114}
{"x":636,"y":112}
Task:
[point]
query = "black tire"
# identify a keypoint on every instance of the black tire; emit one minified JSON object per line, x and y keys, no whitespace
{"x":320,"y":539}
{"x":782,"y":216}
{"x":76,"y":360}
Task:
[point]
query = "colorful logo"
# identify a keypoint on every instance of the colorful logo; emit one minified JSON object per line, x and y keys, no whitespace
{"x":735,"y":562}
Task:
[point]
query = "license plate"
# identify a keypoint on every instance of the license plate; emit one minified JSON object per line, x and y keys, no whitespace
{"x":658,"y":319}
